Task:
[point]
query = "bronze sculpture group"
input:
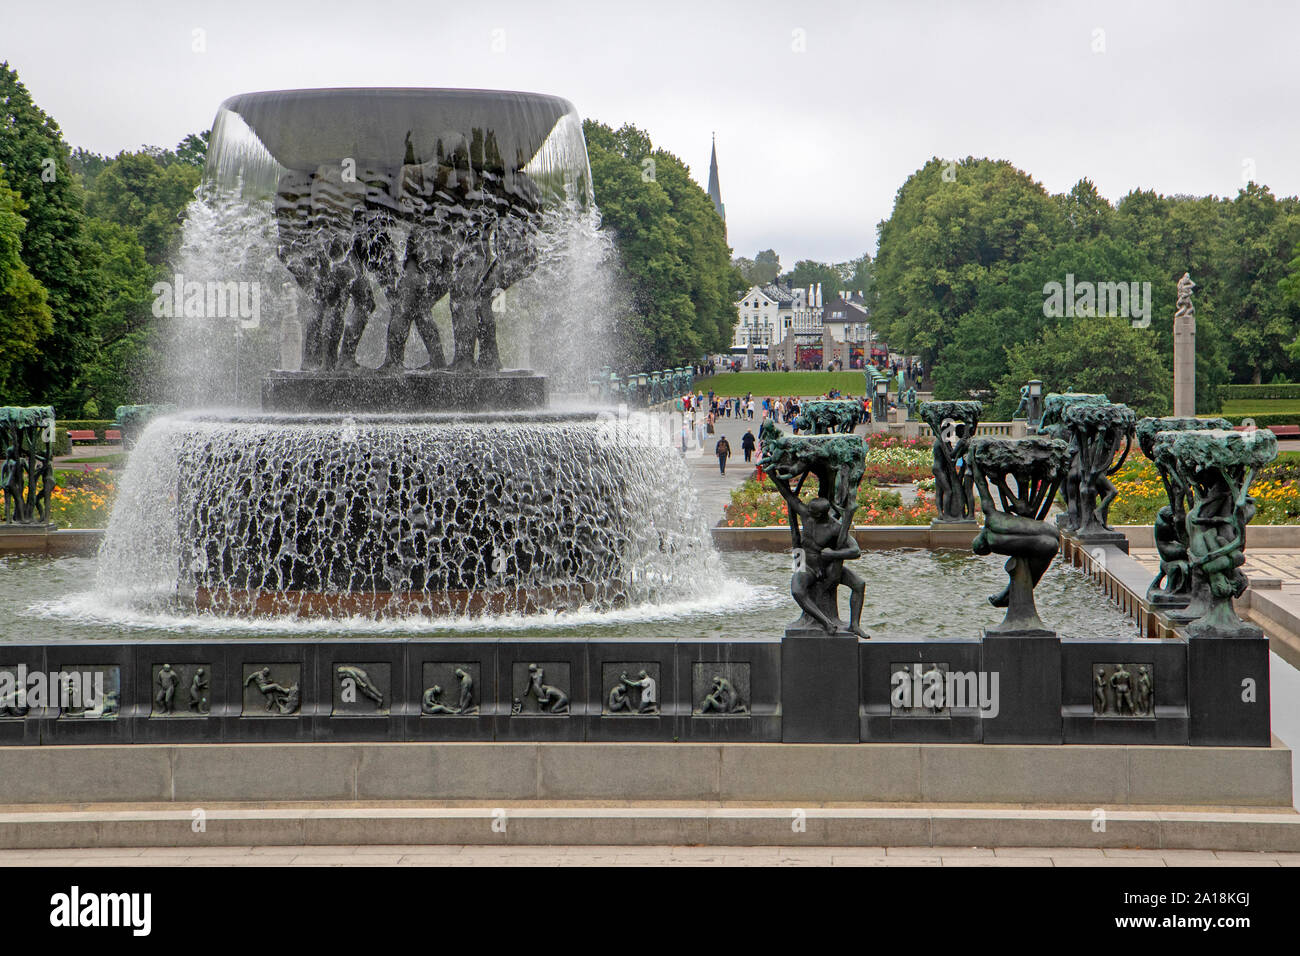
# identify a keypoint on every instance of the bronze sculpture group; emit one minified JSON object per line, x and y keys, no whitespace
{"x":462,"y":223}
{"x":821,"y":529}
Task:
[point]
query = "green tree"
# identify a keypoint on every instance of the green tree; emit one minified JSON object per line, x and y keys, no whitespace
{"x":672,"y":250}
{"x":35,"y":162}
{"x":1096,"y":355}
{"x":87,"y":165}
{"x":124,"y":328}
{"x":1259,"y":323}
{"x":954,"y":227}
{"x":1011,"y":313}
{"x":193,"y":149}
{"x":761,"y":269}
{"x":24,"y":313}
{"x":807,"y":272}
{"x":137,"y":191}
{"x":1085,"y":212}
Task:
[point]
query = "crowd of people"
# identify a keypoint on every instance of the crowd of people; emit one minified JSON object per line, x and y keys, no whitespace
{"x":702,"y":412}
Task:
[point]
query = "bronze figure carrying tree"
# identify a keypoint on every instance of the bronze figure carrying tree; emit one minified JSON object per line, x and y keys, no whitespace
{"x":953,"y":425}
{"x":1096,"y":432}
{"x":1175,"y":583}
{"x":1219,"y":466}
{"x":1052,"y":424}
{"x":821,"y":529}
{"x":1018,"y":530}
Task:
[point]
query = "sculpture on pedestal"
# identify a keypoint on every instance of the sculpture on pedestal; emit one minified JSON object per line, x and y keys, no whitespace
{"x":130,"y":420}
{"x":828,"y":417}
{"x":1096,"y":434}
{"x":27,"y":465}
{"x":1018,"y":530}
{"x":1218,"y":466}
{"x":1173,"y":586}
{"x":953,"y":425}
{"x":1185,"y":350}
{"x":1052,"y":424}
{"x":821,"y":529}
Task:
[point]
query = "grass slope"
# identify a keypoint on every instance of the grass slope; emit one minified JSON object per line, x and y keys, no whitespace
{"x":780,"y":384}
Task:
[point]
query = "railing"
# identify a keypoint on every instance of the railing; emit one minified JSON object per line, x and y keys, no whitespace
{"x":1012,"y":429}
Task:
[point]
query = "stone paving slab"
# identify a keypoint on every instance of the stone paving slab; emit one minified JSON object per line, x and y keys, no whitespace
{"x":523,"y":832}
{"x":640,"y":856}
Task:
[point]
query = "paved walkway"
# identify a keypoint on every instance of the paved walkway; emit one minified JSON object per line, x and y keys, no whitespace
{"x":633,"y":856}
{"x":714,"y":489}
{"x":1281,"y":563}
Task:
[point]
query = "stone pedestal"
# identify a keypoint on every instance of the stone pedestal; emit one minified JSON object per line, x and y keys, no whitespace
{"x":1097,"y":539}
{"x":439,"y":390}
{"x":819,"y":687}
{"x":1228,"y":690}
{"x":1028,"y":670}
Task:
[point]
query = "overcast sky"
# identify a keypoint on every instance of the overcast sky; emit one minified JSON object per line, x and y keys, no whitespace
{"x":816,"y":129}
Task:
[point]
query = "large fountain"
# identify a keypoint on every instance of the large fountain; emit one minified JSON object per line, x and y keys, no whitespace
{"x":420,"y":477}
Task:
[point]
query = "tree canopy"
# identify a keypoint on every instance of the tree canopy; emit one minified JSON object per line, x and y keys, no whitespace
{"x":672,"y":247}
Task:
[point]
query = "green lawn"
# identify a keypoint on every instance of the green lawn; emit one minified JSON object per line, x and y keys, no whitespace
{"x":780,"y":384}
{"x":113,"y":460}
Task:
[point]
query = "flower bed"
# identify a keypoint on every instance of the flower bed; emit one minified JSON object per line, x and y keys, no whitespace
{"x":82,"y":499}
{"x":760,"y":505}
{"x":895,"y":461}
{"x":1141,"y":493}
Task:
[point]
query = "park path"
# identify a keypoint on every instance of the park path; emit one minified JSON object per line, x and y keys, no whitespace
{"x":713,"y":488}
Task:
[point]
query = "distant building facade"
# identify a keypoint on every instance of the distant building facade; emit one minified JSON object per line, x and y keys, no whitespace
{"x":792,"y":326}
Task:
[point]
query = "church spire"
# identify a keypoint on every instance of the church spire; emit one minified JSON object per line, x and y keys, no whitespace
{"x":715,"y":192}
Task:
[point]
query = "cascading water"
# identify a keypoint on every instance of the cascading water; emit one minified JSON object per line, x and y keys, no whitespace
{"x":384,"y":224}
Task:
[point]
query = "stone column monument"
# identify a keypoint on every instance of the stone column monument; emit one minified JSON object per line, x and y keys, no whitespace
{"x":1185,"y":350}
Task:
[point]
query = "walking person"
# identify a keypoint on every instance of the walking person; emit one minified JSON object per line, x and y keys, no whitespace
{"x":723,"y":451}
{"x":686,"y":434}
{"x":747,"y":445}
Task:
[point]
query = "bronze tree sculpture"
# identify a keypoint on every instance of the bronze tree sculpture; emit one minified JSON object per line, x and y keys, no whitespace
{"x":821,"y":529}
{"x":1173,"y":586}
{"x":953,"y":425}
{"x":1037,"y":466}
{"x":1218,"y":466}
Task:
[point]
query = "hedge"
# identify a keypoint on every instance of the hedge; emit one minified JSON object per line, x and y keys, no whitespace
{"x":1271,"y":418}
{"x":97,"y":425}
{"x":1230,"y":393}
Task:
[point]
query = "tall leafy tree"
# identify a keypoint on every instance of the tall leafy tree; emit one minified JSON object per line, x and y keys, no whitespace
{"x":138,"y":191}
{"x":35,"y":162}
{"x":1101,"y":355}
{"x":954,"y":227}
{"x":25,"y":317}
{"x":1258,"y":322}
{"x":672,"y":248}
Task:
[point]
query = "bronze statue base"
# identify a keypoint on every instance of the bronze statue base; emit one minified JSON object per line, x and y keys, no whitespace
{"x":435,"y":390}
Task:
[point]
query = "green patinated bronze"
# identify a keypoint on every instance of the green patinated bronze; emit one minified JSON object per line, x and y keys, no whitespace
{"x":1038,"y":465}
{"x":1096,"y":432}
{"x":1217,"y":465}
{"x":828,"y":417}
{"x":131,"y":419}
{"x":27,"y":469}
{"x":1054,"y":406}
{"x":821,"y":530}
{"x":1175,"y":583}
{"x":953,"y":425}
